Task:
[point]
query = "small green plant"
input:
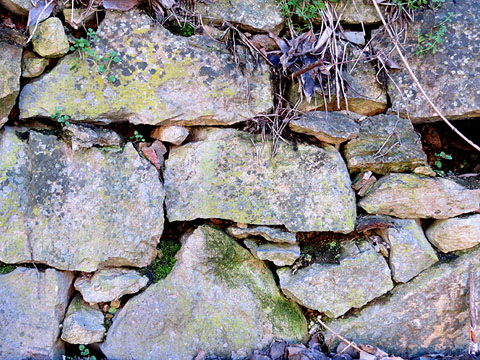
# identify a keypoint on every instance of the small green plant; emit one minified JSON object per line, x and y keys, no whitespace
{"x":162,"y":266}
{"x":84,"y":354}
{"x":436,"y":36}
{"x":6,"y":268}
{"x":112,"y":310}
{"x":60,"y":117}
{"x":438,"y":163}
{"x":306,"y":10}
{"x":137,"y":137}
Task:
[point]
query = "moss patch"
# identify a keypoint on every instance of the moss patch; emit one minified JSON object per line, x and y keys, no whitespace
{"x":6,"y":268}
{"x":161,"y":267}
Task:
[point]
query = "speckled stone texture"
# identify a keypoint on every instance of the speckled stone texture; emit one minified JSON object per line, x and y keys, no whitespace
{"x":455,"y":234}
{"x":9,"y":78}
{"x":162,"y":78}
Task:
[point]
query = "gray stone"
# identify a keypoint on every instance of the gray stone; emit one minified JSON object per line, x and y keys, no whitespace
{"x":171,"y":134}
{"x":218,"y":298}
{"x":450,"y":75}
{"x":19,"y":7}
{"x":76,"y":210}
{"x":386,"y":143}
{"x":268,"y":233}
{"x":161,"y":78}
{"x":330,"y":127}
{"x":427,"y":315}
{"x":10,"y":71}
{"x":110,"y":284}
{"x":86,"y":136}
{"x":278,"y":253}
{"x":32,"y":306}
{"x":228,"y":177}
{"x":410,"y":251}
{"x":361,"y":276}
{"x":357,"y":12}
{"x":413,"y":196}
{"x":50,"y":40}
{"x":251,"y":15}
{"x":79,"y":17}
{"x":455,"y":234}
{"x":32,"y":65}
{"x":83,"y":323}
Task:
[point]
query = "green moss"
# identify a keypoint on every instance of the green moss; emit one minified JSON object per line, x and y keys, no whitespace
{"x":161,"y":267}
{"x":6,"y":268}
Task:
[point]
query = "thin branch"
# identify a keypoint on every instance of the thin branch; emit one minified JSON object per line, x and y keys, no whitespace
{"x":474,"y":345}
{"x":338,"y":335}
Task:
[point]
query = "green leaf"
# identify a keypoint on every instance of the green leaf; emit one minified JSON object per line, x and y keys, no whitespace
{"x":438,"y":164}
{"x":112,"y":310}
{"x":116,"y":59}
{"x":112,"y":78}
{"x":81,"y":347}
{"x":102,"y":68}
{"x":448,"y":157}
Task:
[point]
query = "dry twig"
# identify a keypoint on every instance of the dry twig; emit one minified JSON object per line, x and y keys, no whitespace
{"x":338,"y":335}
{"x":474,"y":345}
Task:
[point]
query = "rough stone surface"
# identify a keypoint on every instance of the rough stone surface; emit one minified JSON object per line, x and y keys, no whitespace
{"x":268,"y":233}
{"x":412,"y":196}
{"x":386,"y":144}
{"x":455,"y":234}
{"x":19,"y":7}
{"x":450,"y":75}
{"x":171,"y":134}
{"x":253,"y":15}
{"x":361,"y":276}
{"x":427,"y":315}
{"x":32,"y":65}
{"x":50,"y":40}
{"x":32,"y":306}
{"x":9,"y":78}
{"x":330,"y":127}
{"x":86,"y":136}
{"x":110,"y":284}
{"x":218,"y":298}
{"x":83,"y":323}
{"x":357,"y":12}
{"x":410,"y":251}
{"x":278,"y":253}
{"x":76,"y":210}
{"x":162,"y":78}
{"x":226,"y":176}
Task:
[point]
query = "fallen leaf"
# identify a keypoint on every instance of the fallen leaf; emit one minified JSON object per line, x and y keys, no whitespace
{"x":40,"y":10}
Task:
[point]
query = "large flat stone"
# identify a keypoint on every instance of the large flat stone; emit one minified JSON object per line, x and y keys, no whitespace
{"x":455,"y":234}
{"x":162,"y":78}
{"x":32,"y":307}
{"x":226,"y":176}
{"x":218,"y":298}
{"x":76,"y":210}
{"x":10,"y":71}
{"x":412,"y":196}
{"x":427,"y":315}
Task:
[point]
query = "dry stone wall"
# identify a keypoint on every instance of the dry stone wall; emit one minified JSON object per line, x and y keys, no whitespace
{"x":104,"y":177}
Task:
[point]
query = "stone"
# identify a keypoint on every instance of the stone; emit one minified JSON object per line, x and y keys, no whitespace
{"x":171,"y":134}
{"x":333,"y":289}
{"x":455,"y":234}
{"x":329,"y":127}
{"x":228,"y":177}
{"x":410,"y":251}
{"x":50,"y":40}
{"x":355,"y":37}
{"x":448,"y":75}
{"x":412,"y":196}
{"x":83,"y":323}
{"x":32,"y":307}
{"x":386,"y":143}
{"x":79,"y":17}
{"x":10,"y":71}
{"x":364,"y":94}
{"x":76,"y":210}
{"x":250,"y":15}
{"x":18,"y":7}
{"x":428,"y":315}
{"x":85,"y":136}
{"x":218,"y":298}
{"x":110,"y":284}
{"x":32,"y":65}
{"x":268,"y":233}
{"x":154,"y":153}
{"x":160,"y":79}
{"x":357,"y":12}
{"x":281,"y":254}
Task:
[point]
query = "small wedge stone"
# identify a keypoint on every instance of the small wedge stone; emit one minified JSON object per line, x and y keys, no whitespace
{"x":171,"y":134}
{"x":50,"y":40}
{"x":268,"y":233}
{"x":281,"y":254}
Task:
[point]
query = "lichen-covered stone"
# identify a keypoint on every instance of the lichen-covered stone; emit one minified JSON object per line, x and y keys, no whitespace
{"x":218,"y":298}
{"x":281,"y":254}
{"x":19,"y":7}
{"x":86,"y":136}
{"x":171,"y":134}
{"x":50,"y":40}
{"x":330,"y":127}
{"x":83,"y":323}
{"x":361,"y":276}
{"x":429,"y":314}
{"x":10,"y":70}
{"x":357,"y":12}
{"x":410,"y":251}
{"x":412,"y":196}
{"x":386,"y":143}
{"x":32,"y":65}
{"x":162,"y":78}
{"x":268,"y":233}
{"x":449,"y":76}
{"x":251,"y":15}
{"x":32,"y":306}
{"x":455,"y":234}
{"x":226,"y":176}
{"x":76,"y":210}
{"x":110,"y":284}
